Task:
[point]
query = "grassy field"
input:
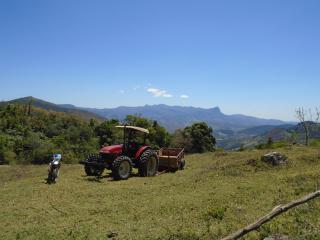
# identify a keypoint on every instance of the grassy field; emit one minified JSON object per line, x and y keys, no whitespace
{"x":216,"y":194}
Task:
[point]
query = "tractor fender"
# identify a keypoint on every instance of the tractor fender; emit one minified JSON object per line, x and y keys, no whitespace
{"x":140,"y":151}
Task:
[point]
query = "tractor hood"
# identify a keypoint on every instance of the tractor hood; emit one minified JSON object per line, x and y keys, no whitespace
{"x":115,"y":149}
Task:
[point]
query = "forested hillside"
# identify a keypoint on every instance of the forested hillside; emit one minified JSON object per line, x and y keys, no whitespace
{"x":30,"y":135}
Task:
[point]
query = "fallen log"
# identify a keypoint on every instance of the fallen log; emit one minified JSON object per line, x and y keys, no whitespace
{"x":275,"y":212}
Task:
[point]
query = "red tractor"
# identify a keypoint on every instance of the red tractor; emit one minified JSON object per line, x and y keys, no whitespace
{"x":120,"y":159}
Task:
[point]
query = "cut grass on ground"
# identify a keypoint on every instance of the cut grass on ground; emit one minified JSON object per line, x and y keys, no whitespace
{"x":215,"y":195}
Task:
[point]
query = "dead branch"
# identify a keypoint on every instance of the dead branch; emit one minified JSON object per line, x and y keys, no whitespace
{"x":317,"y":115}
{"x":301,"y":114}
{"x":275,"y":212}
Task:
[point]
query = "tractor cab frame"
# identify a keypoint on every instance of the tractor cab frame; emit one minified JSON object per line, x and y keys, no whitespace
{"x":133,"y":139}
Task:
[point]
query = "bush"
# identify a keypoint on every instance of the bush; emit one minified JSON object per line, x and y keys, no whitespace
{"x":196,"y":138}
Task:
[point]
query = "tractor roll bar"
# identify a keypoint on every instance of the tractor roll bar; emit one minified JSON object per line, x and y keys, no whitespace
{"x":135,"y":128}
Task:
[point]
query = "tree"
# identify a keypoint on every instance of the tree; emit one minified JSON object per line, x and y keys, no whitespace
{"x":201,"y":138}
{"x":158,"y":137}
{"x":180,"y":140}
{"x":306,"y":119}
{"x":92,"y":123}
{"x":138,"y":121}
{"x":270,"y":142}
{"x":6,"y":153}
{"x":106,"y":132}
{"x":29,"y":107}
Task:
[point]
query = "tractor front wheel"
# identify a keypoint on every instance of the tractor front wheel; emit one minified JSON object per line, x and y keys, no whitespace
{"x":121,"y":168}
{"x":148,"y":164}
{"x":91,"y":170}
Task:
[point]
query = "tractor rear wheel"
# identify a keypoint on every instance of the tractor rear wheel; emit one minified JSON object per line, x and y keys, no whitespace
{"x":91,"y":170}
{"x":121,"y":168}
{"x":148,"y":164}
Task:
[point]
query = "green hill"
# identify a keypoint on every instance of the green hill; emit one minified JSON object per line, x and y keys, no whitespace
{"x":217,"y":194}
{"x":54,"y":107}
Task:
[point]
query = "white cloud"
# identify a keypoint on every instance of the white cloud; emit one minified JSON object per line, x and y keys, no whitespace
{"x":159,"y":93}
{"x":184,"y":96}
{"x":122,"y":91}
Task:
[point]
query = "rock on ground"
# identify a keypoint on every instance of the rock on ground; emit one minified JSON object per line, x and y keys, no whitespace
{"x":275,"y":158}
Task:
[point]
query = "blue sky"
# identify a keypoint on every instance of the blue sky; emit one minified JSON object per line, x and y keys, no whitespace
{"x":259,"y":58}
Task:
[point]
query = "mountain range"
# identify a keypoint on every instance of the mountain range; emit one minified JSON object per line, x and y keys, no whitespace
{"x":171,"y":117}
{"x":174,"y":117}
{"x":231,"y":131}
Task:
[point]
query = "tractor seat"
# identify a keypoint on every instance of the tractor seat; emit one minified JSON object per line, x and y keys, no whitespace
{"x":133,"y":148}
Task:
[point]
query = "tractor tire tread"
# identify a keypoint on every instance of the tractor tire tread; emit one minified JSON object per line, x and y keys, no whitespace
{"x":143,"y":162}
{"x":116,"y":164}
{"x":90,"y":171}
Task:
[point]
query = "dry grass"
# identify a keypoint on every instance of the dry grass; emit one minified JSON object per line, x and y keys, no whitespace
{"x":215,"y":195}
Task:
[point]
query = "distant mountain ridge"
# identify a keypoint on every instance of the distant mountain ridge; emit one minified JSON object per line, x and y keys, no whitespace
{"x":171,"y":117}
{"x":174,"y":117}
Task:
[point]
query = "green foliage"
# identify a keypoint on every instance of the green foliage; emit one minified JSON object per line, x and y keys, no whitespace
{"x":159,"y":137}
{"x":36,"y":148}
{"x":136,"y":120}
{"x":181,"y":140}
{"x":32,"y":135}
{"x":196,"y":138}
{"x":106,"y":132}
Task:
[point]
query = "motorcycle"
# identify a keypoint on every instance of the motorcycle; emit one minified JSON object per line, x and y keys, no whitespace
{"x":54,"y":167}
